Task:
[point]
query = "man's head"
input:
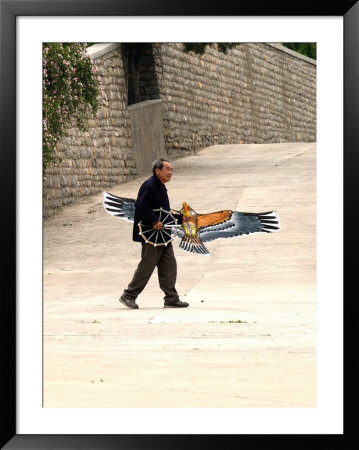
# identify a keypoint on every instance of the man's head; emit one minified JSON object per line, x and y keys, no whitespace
{"x":162,"y":168}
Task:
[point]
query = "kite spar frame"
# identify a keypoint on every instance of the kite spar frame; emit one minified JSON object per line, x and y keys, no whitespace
{"x":160,"y":238}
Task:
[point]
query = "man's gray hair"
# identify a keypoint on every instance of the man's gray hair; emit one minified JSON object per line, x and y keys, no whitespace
{"x":158,"y":164}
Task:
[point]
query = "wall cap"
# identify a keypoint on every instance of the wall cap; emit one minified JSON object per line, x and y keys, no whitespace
{"x":98,"y":50}
{"x":293,"y":53}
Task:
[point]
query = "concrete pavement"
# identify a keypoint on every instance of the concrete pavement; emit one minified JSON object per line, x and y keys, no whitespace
{"x":249,"y":335}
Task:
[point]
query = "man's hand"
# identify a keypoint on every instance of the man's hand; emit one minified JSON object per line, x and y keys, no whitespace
{"x":158,"y":225}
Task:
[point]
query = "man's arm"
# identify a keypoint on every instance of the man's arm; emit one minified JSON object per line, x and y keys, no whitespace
{"x":144,"y":207}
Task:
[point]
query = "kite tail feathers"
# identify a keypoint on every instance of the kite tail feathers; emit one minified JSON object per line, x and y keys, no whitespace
{"x":193,"y":245}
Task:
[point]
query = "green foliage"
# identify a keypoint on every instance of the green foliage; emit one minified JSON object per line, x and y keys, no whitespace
{"x":71,"y":90}
{"x":305,"y":48}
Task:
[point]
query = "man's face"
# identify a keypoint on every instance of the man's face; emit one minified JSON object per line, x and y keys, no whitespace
{"x":165,"y":173}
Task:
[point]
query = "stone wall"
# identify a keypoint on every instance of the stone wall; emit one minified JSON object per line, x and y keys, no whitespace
{"x":256,"y":93}
{"x":102,"y":156}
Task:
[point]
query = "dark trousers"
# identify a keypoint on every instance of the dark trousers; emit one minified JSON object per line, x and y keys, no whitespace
{"x":162,"y":257}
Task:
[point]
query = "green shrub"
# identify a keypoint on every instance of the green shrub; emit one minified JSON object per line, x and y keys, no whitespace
{"x":71,"y":89}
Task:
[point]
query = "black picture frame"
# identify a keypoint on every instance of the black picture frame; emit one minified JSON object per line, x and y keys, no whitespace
{"x":9,"y":10}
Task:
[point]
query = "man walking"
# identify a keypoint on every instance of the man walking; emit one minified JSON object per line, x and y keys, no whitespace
{"x":153,"y":195}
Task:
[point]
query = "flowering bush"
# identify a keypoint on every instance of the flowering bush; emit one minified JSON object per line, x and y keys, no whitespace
{"x":71,"y":90}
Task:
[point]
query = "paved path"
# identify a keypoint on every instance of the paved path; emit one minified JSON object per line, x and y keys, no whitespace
{"x":248,"y":337}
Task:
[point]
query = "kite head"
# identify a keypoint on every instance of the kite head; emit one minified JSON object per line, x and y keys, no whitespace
{"x":186,"y":209}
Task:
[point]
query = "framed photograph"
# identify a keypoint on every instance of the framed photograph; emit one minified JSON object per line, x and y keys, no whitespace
{"x":24,"y":27}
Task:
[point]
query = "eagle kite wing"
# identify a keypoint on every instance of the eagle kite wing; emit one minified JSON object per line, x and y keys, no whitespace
{"x":121,"y":207}
{"x":227,"y":224}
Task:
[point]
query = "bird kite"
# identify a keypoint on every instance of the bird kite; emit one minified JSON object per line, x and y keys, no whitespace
{"x":195,"y":229}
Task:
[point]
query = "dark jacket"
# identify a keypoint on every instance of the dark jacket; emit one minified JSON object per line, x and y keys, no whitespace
{"x":152,"y":195}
